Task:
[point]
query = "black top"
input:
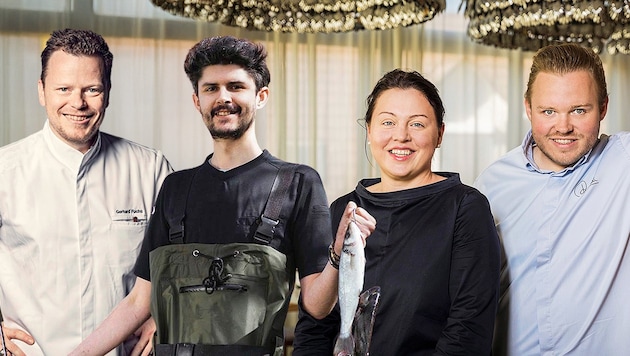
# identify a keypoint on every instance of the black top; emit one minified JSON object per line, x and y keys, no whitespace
{"x":222,"y":207}
{"x":435,"y":255}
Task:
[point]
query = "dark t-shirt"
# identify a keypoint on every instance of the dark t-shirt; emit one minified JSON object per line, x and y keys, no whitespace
{"x":435,"y":255}
{"x":222,"y":207}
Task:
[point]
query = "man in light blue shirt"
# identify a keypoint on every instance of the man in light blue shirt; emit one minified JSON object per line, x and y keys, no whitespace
{"x":561,"y":203}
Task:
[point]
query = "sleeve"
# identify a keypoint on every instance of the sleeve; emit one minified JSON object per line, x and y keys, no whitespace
{"x":313,"y":336}
{"x":156,"y":231}
{"x":474,"y":280}
{"x":311,"y":224}
{"x":162,"y":170}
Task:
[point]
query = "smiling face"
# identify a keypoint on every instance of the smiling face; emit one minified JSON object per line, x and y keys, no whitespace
{"x":565,"y":117}
{"x":75,"y":98}
{"x":227,"y":100}
{"x":403,"y":133}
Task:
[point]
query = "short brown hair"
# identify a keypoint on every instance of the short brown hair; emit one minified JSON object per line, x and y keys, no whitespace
{"x":566,"y":58}
{"x":79,"y":43}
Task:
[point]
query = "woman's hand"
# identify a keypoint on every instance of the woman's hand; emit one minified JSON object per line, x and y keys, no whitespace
{"x":365,"y":222}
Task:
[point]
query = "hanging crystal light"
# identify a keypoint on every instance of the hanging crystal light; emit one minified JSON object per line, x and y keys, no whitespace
{"x":532,"y":24}
{"x":620,"y":38}
{"x":307,"y":16}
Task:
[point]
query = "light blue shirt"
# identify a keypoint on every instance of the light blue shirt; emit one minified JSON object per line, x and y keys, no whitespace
{"x":565,"y":289}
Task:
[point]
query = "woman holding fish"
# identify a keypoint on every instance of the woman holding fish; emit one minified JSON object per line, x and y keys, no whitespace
{"x":435,"y":251}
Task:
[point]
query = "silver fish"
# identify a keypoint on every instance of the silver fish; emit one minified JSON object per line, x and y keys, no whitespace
{"x":351,"y":273}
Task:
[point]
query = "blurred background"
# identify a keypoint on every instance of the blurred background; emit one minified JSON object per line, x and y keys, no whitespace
{"x":318,"y":88}
{"x":319,"y":80}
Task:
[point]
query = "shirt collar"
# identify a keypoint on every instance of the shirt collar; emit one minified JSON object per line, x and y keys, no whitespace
{"x":69,"y":156}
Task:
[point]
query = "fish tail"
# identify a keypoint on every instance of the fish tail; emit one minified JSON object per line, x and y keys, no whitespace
{"x":344,"y":346}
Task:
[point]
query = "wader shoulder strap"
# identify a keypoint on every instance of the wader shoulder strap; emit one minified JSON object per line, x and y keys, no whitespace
{"x":271,"y":216}
{"x":267,"y":222}
{"x":177,"y":210}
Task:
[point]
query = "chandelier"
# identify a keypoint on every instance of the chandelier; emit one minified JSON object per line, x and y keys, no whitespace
{"x":532,"y":24}
{"x":307,"y":16}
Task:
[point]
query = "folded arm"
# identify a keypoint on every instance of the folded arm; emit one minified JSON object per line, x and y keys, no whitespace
{"x":123,"y":321}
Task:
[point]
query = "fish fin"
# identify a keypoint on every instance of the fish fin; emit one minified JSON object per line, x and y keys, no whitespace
{"x":344,"y":346}
{"x":364,"y":318}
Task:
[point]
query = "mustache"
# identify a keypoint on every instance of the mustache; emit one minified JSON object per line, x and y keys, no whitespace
{"x":231,"y":108}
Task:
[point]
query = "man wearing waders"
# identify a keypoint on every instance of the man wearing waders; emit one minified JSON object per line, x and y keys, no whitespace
{"x":218,"y":262}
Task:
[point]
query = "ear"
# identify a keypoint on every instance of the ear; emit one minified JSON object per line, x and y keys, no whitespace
{"x":603,"y":110}
{"x":368,"y":131}
{"x":195,"y":99}
{"x":440,"y":135}
{"x":107,"y":97}
{"x":40,"y":93}
{"x":261,"y":97}
{"x":528,"y":109}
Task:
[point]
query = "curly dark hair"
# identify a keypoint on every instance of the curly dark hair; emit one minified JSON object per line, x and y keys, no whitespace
{"x":79,"y":43}
{"x":228,"y":50}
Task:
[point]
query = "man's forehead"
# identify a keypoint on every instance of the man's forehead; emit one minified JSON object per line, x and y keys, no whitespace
{"x":226,"y":73}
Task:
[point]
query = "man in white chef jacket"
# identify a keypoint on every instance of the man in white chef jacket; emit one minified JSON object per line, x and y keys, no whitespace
{"x":74,"y":204}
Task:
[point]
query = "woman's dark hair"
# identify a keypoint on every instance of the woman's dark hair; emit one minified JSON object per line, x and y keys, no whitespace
{"x":401,"y":79}
{"x":79,"y":43}
{"x":228,"y":50}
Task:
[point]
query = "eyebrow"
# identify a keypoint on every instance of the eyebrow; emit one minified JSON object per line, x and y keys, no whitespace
{"x":583,"y":106}
{"x":572,"y":107}
{"x":228,"y":83}
{"x":412,"y":116}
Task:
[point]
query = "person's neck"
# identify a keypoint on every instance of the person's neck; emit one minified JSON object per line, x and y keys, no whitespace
{"x":387,"y":184}
{"x":229,"y":154}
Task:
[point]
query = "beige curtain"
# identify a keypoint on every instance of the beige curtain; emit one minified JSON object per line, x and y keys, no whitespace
{"x":318,"y":87}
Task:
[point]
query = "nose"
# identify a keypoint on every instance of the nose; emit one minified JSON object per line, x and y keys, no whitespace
{"x":224,"y":96}
{"x":564,"y":125}
{"x":77,"y":100}
{"x":401,"y":133}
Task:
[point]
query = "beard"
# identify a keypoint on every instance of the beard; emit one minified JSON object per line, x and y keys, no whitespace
{"x":245,"y":121}
{"x":565,"y":158}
